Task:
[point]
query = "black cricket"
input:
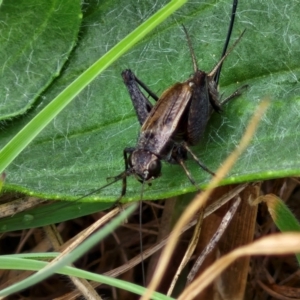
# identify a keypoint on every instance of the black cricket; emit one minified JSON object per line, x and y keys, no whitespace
{"x":176,"y":121}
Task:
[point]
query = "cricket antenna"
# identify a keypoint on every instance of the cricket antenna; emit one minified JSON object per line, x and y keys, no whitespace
{"x":191,"y":49}
{"x":115,"y":179}
{"x":141,"y":235}
{"x":234,"y":6}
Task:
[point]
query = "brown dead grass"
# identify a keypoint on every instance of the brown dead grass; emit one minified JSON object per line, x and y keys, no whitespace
{"x":265,"y":278}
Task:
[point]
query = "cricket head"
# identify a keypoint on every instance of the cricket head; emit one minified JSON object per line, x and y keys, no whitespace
{"x":144,"y":164}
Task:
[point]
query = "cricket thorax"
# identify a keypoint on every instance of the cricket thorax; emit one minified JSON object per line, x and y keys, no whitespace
{"x":145,"y":164}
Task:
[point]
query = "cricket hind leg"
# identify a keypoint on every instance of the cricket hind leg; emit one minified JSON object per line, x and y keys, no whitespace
{"x":235,"y":94}
{"x":141,"y":104}
{"x":214,"y":96}
{"x":147,"y":89}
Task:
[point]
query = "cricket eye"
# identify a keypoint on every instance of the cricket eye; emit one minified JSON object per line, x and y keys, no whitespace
{"x":154,"y":168}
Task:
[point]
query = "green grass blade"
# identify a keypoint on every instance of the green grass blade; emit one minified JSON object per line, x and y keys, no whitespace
{"x":11,"y":150}
{"x":71,"y":257}
{"x":282,"y":216}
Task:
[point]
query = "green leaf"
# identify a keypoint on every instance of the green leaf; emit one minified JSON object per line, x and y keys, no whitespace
{"x":84,"y":144}
{"x":44,"y":216}
{"x":33,"y":49}
{"x":2,"y":178}
{"x":17,"y":144}
{"x":28,"y":262}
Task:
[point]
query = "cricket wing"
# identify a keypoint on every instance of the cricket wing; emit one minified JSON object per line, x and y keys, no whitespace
{"x":164,"y":117}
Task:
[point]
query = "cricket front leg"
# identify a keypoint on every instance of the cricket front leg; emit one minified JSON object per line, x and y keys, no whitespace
{"x":123,"y":176}
{"x":127,"y":172}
